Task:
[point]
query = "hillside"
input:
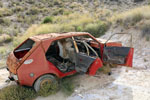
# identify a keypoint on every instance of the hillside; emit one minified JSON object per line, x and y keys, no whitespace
{"x":20,"y":19}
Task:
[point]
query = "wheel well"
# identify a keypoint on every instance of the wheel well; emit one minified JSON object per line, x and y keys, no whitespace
{"x":42,"y":75}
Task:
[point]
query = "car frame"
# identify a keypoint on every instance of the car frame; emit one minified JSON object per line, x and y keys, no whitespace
{"x":28,"y":64}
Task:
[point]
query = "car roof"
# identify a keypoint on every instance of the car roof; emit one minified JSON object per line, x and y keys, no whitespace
{"x":55,"y":35}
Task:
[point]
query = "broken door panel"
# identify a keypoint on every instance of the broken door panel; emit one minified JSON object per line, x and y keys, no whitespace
{"x":83,"y":62}
{"x":116,"y":55}
{"x":129,"y":58}
{"x":95,"y":66}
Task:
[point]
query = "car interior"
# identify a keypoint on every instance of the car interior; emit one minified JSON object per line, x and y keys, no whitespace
{"x":63,"y":54}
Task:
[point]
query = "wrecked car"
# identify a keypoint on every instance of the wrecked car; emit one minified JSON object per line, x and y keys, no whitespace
{"x":44,"y":58}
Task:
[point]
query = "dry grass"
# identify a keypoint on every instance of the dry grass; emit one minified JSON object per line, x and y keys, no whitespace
{"x":5,"y":38}
{"x":131,"y":17}
{"x":3,"y":50}
{"x":17,"y":93}
{"x":63,"y":23}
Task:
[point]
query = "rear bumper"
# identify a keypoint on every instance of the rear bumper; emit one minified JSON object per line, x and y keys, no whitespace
{"x":12,"y":77}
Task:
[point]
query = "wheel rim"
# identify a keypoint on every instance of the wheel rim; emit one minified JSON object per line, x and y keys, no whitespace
{"x":45,"y":82}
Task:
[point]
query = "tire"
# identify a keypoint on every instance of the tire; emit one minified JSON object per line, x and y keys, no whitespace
{"x":46,"y":80}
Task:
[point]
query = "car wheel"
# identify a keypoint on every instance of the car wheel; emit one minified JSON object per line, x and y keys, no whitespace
{"x":46,"y":83}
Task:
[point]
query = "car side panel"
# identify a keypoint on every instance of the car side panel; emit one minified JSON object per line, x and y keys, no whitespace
{"x":29,"y":72}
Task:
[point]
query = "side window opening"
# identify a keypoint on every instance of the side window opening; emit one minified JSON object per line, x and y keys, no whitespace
{"x":62,"y":54}
{"x":84,"y":44}
{"x":22,"y":50}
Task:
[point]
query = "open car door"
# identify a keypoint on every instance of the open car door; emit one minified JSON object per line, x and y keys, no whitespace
{"x":85,"y":62}
{"x":118,"y":55}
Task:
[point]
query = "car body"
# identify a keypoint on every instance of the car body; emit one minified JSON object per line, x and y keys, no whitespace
{"x":64,"y":54}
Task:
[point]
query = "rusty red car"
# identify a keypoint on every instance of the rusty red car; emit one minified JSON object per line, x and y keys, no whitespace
{"x":44,"y":58}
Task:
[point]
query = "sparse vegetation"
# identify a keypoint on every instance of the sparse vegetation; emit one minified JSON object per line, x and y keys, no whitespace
{"x":145,"y":28}
{"x":132,"y":17}
{"x":5,"y":21}
{"x":67,"y":23}
{"x":3,"y":50}
{"x":33,"y":11}
{"x":5,"y":12}
{"x":96,"y":29}
{"x":147,"y":38}
{"x":5,"y":38}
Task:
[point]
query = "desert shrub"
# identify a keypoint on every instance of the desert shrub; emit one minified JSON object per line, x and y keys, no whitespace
{"x":57,"y":2}
{"x":59,"y":11}
{"x":5,"y":21}
{"x":96,"y":29}
{"x":33,"y":11}
{"x":1,"y":4}
{"x":1,"y":30}
{"x":145,"y":28}
{"x":18,"y":8}
{"x":147,"y":38}
{"x":15,"y":92}
{"x":67,"y":23}
{"x":5,"y":38}
{"x":16,"y":41}
{"x":67,"y":12}
{"x":78,"y":28}
{"x":5,"y":12}
{"x":3,"y":50}
{"x":48,"y":19}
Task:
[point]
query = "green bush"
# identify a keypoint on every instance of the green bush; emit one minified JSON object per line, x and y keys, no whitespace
{"x":78,"y":28}
{"x":17,"y":93}
{"x":48,"y":19}
{"x":96,"y":29}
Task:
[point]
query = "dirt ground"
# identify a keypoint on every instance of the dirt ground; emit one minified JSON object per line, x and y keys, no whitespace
{"x":124,"y":83}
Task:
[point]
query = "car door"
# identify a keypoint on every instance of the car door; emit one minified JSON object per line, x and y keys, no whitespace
{"x":85,"y":61}
{"x":118,"y":55}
